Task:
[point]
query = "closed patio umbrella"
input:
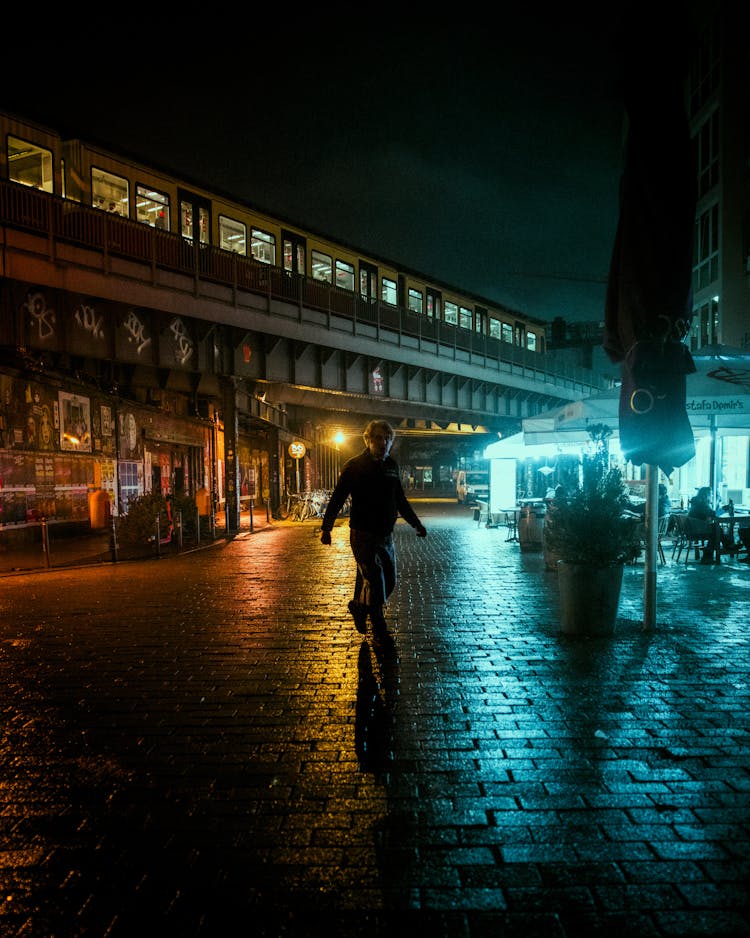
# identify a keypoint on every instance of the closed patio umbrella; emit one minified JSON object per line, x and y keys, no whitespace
{"x":649,"y":300}
{"x":649,"y":303}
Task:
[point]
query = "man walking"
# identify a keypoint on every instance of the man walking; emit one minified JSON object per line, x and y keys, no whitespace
{"x":377,"y":498}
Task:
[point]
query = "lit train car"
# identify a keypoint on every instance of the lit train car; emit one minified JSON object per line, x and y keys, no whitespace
{"x":87,"y":174}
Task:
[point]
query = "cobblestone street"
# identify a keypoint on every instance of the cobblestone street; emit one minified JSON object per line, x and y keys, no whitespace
{"x":203,"y":745}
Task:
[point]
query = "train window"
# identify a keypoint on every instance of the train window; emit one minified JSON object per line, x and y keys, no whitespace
{"x":194,"y":219}
{"x":345,"y":275}
{"x":389,"y":292}
{"x":480,"y":320}
{"x":263,"y":246}
{"x":294,"y":256}
{"x":232,"y":235}
{"x":495,"y":328}
{"x":507,"y":333}
{"x":322,"y":267}
{"x":29,"y":164}
{"x":110,"y":193}
{"x":465,"y":318}
{"x":433,"y":305}
{"x":451,"y":313}
{"x":531,"y":341}
{"x":416,"y":301}
{"x":152,"y":207}
{"x":368,"y":283}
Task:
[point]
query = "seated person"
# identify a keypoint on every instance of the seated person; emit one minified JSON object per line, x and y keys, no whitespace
{"x":743,"y":534}
{"x":702,"y":522}
{"x":665,"y":505}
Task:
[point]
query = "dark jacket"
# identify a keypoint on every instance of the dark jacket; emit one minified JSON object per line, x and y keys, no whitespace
{"x":701,"y":510}
{"x":377,"y":496}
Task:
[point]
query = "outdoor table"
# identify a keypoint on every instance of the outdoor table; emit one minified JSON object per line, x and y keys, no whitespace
{"x":511,"y":522}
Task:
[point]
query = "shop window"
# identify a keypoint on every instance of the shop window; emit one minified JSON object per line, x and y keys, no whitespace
{"x":110,"y":193}
{"x":127,"y":477}
{"x":30,"y":164}
{"x":345,"y":275}
{"x":416,"y":301}
{"x":232,"y":235}
{"x":451,"y":313}
{"x":152,"y":207}
{"x":389,"y":293}
{"x":322,"y":267}
{"x":263,"y":246}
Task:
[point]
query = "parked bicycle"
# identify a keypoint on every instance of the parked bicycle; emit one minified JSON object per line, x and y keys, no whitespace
{"x":300,"y":506}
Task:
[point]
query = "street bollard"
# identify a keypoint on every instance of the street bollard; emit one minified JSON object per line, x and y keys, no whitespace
{"x":158,"y":537}
{"x":179,"y":531}
{"x":252,"y":502}
{"x":45,"y":542}
{"x":113,"y":541}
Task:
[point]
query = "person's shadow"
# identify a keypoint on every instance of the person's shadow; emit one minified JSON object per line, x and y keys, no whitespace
{"x":376,"y":691}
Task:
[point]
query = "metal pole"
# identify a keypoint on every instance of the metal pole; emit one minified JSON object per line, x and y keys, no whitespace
{"x":45,"y":542}
{"x":652,"y":540}
{"x":252,"y":503}
{"x":113,"y":541}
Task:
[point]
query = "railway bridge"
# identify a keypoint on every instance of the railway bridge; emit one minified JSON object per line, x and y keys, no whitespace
{"x":171,"y":342}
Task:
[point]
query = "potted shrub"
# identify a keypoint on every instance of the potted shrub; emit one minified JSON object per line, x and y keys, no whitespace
{"x":585,"y":529}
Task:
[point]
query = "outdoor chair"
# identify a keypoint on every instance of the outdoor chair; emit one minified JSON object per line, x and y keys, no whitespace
{"x":690,"y":538}
{"x":664,"y":526}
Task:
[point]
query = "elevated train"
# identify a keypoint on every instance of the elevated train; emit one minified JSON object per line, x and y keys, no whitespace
{"x":240,"y":240}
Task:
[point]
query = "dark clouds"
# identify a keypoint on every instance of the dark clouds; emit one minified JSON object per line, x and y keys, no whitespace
{"x":487,"y":156}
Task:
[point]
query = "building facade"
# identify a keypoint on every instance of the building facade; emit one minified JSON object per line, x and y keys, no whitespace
{"x":718,"y":103}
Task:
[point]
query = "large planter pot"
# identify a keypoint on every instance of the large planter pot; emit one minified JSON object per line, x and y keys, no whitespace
{"x":530,"y":527}
{"x":550,"y":556}
{"x":589,"y":597}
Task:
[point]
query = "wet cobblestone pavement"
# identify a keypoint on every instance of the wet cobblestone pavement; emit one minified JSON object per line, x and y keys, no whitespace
{"x":204,"y":745}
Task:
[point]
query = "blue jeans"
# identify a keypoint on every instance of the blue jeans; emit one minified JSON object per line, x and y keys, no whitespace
{"x":376,"y":567}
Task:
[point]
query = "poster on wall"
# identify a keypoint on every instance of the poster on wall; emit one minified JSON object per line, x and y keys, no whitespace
{"x":75,"y":423}
{"x":130,"y":438}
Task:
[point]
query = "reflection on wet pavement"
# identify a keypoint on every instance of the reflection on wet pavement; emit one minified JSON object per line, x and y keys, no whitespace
{"x":208,"y":739}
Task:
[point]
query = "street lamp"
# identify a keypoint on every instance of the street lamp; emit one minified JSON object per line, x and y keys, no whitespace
{"x":338,"y":439}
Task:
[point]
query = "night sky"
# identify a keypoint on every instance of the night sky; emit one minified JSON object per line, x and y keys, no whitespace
{"x":486,"y":156}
